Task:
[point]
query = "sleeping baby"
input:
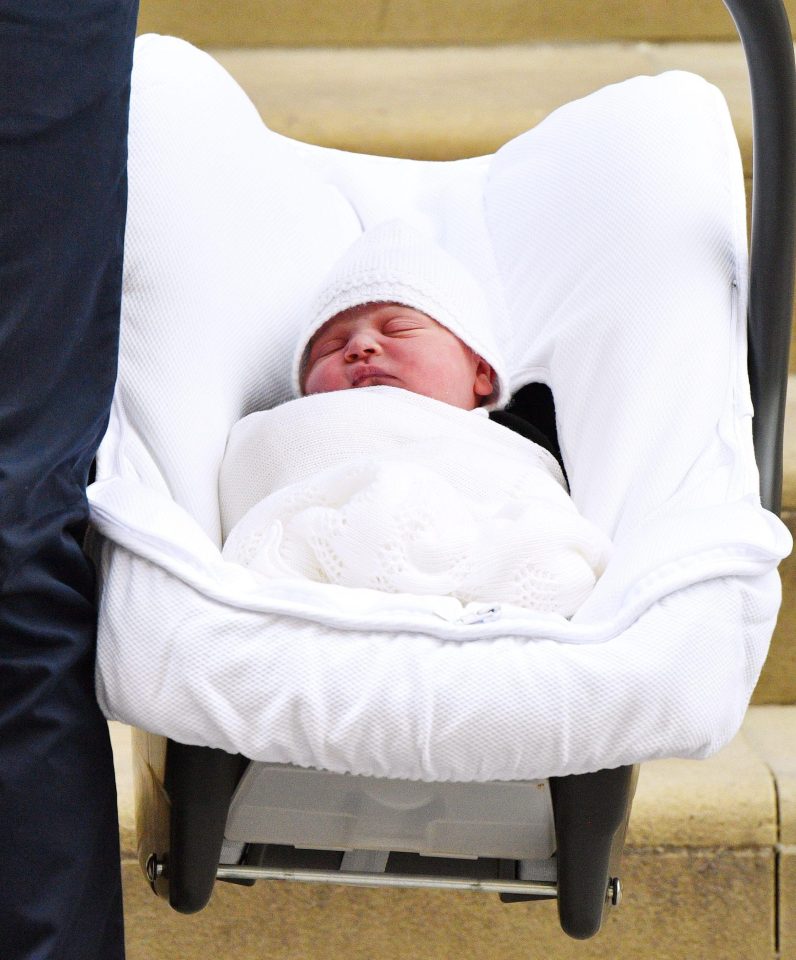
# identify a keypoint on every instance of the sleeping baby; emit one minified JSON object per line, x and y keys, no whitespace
{"x":387,"y":472}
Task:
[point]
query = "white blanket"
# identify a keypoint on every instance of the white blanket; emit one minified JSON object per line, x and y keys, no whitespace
{"x":389,"y":490}
{"x":614,"y":233}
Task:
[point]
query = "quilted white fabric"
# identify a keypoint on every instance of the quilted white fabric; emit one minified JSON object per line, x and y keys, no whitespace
{"x":613,"y":237}
{"x":389,"y":490}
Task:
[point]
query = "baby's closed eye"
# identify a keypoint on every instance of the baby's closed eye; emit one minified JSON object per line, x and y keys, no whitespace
{"x":325,"y":348}
{"x":400,"y":325}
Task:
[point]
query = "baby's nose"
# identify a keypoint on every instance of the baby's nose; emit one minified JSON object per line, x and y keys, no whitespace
{"x":361,"y":345}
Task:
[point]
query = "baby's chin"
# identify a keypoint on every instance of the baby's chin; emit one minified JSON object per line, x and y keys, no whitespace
{"x":394,"y":383}
{"x":376,"y":380}
{"x":428,"y":394}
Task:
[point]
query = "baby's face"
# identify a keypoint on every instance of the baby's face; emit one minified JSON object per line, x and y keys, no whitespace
{"x":393,"y":345}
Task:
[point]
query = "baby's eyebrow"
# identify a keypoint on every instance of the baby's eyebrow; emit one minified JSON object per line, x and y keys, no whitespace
{"x":334,"y":334}
{"x":322,"y":340}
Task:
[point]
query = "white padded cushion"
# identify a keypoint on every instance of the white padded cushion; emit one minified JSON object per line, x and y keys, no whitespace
{"x":613,"y":234}
{"x":230,"y":230}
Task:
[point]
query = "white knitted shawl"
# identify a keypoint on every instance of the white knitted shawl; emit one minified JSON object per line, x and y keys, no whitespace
{"x":386,"y":489}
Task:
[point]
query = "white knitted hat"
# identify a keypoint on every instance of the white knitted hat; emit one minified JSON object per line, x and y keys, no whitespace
{"x":394,"y":263}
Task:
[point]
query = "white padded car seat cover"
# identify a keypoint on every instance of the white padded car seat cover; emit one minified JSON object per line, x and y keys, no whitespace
{"x":613,"y":238}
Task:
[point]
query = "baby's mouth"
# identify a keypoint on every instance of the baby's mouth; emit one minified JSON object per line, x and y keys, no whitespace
{"x":370,"y":376}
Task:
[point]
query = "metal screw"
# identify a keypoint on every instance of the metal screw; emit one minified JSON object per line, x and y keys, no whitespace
{"x":153,"y":868}
{"x":614,"y":895}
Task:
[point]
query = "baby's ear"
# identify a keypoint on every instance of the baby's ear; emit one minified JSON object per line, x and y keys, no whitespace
{"x":484,"y":385}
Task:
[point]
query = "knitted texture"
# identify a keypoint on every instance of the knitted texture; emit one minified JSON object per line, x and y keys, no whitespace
{"x":394,"y":263}
{"x":389,"y":490}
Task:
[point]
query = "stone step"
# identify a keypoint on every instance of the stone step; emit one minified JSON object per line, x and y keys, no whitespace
{"x":709,"y":872}
{"x":448,"y":102}
{"x":424,"y":22}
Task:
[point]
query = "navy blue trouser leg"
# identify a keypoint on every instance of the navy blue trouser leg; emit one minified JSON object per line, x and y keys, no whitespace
{"x":64,"y":96}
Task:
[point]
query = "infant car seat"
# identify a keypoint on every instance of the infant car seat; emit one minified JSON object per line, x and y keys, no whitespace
{"x":370,"y":743}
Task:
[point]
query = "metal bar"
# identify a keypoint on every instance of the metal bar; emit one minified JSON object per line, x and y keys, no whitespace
{"x":526,"y":887}
{"x":766,"y":37}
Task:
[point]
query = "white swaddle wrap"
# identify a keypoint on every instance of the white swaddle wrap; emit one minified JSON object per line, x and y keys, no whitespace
{"x":393,"y":491}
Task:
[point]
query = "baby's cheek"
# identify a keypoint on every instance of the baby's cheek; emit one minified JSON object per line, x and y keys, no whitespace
{"x":320,"y":379}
